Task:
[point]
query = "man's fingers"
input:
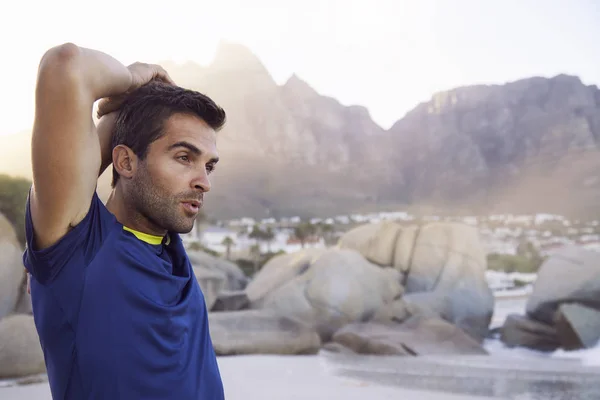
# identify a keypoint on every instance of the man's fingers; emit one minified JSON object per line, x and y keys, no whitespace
{"x":106,"y":106}
{"x":163,"y":75}
{"x":144,"y":73}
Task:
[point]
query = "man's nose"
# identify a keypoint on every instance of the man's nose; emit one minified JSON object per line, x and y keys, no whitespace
{"x":202,"y":182}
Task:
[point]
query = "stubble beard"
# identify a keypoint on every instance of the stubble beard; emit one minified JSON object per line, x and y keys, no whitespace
{"x":155,"y":204}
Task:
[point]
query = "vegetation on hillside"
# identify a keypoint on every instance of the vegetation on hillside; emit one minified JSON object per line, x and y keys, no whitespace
{"x":526,"y":260}
{"x":13,"y":196}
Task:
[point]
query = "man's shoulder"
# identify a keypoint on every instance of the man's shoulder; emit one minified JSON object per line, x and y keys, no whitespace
{"x":77,"y":246}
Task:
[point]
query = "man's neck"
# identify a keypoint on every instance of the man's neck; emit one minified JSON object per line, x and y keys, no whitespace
{"x":128,"y":216}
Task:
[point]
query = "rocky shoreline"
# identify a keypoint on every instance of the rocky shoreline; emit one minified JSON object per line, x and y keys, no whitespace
{"x":384,"y":289}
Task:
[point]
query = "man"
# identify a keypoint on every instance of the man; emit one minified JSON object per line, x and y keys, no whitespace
{"x":116,"y":304}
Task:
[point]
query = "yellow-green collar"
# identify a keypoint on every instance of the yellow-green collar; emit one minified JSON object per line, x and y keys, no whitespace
{"x":145,"y":237}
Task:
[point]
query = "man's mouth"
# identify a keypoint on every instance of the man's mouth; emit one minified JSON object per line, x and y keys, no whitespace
{"x":193,"y":206}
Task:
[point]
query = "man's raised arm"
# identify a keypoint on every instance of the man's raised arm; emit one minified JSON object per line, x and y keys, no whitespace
{"x":66,"y":152}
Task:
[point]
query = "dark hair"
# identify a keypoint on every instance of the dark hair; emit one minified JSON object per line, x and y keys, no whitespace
{"x":144,"y":112}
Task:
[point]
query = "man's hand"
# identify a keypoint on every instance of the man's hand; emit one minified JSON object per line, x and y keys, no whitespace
{"x":105,"y":129}
{"x":141,"y":74}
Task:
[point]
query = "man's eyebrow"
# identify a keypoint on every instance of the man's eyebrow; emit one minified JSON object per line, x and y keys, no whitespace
{"x":186,"y":145}
{"x":191,"y":148}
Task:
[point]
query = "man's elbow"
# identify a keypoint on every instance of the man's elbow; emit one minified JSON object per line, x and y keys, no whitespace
{"x":59,"y":69}
{"x":62,"y":58}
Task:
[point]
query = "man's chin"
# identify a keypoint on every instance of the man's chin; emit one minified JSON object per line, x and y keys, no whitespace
{"x":181,"y":231}
{"x":184,"y":229}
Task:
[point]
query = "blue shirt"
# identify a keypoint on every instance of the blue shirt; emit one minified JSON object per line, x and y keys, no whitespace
{"x":119,"y":317}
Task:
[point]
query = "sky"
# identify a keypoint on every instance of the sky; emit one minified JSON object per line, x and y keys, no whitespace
{"x":387,"y":55}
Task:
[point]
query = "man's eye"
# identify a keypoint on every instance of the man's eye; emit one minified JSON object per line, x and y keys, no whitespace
{"x":210,"y":168}
{"x":184,"y":158}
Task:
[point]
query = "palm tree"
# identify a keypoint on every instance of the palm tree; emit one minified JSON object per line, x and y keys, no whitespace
{"x":257,"y":234}
{"x":326,"y":232}
{"x":268,"y":236}
{"x":255,"y":253}
{"x":227,"y":242}
{"x":303,"y":231}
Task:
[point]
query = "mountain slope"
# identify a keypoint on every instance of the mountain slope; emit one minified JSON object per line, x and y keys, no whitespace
{"x":528,"y":144}
{"x":285,"y":149}
{"x":525,"y":146}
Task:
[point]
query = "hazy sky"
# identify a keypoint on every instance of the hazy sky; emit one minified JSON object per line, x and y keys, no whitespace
{"x":386,"y":55}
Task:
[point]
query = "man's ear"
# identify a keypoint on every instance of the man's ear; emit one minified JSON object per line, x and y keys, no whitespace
{"x":125,"y":161}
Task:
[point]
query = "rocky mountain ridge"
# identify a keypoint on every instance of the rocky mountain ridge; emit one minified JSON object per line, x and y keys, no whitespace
{"x":527,"y":146}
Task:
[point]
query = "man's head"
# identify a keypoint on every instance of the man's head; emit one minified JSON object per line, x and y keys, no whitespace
{"x":164,"y":148}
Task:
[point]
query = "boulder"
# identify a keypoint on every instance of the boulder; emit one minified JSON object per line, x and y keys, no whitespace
{"x":521,"y":331}
{"x":418,"y":335}
{"x":260,"y":332}
{"x":336,"y":287}
{"x":24,"y":305}
{"x":216,"y":275}
{"x":231,"y":301}
{"x":443,"y":265}
{"x":577,"y":326}
{"x":385,"y":243}
{"x":409,"y":305}
{"x":449,"y":262}
{"x":20,"y":350}
{"x":396,"y":311}
{"x":571,"y":275}
{"x":376,"y":242}
{"x":211,"y":282}
{"x":338,"y":348}
{"x":278,"y":271}
{"x":235,"y":279}
{"x":405,"y":245}
{"x":12,"y":272}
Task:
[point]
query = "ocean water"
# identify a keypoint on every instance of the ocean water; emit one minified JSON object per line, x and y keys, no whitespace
{"x":506,"y":373}
{"x":586,"y":357}
{"x":519,"y":376}
{"x":505,"y":306}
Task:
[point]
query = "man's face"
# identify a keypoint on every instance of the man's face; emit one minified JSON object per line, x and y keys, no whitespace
{"x":169,"y":185}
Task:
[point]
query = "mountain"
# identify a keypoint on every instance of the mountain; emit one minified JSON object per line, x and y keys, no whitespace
{"x":286,"y":149}
{"x":527,"y":146}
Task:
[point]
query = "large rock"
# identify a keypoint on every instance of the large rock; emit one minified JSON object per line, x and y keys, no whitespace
{"x":235,"y":279}
{"x":416,"y":336}
{"x":12,"y":272}
{"x":211,"y":282}
{"x":396,"y":311}
{"x":260,"y":332}
{"x":376,"y":242}
{"x":410,"y":305}
{"x":443,"y":265}
{"x":447,"y":274}
{"x":521,"y":331}
{"x":571,"y":275}
{"x":20,"y":350}
{"x":577,"y":326}
{"x":231,"y":301}
{"x":329,"y":290}
{"x":386,"y":243}
{"x":216,"y":275}
{"x":279,"y":270}
{"x":24,"y":305}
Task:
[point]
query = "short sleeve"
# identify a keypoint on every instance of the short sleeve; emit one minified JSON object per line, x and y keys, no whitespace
{"x":77,"y":247}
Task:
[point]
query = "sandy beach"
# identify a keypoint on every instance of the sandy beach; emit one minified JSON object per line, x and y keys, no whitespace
{"x":512,"y":374}
{"x":350,"y":377}
{"x":277,"y":378}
